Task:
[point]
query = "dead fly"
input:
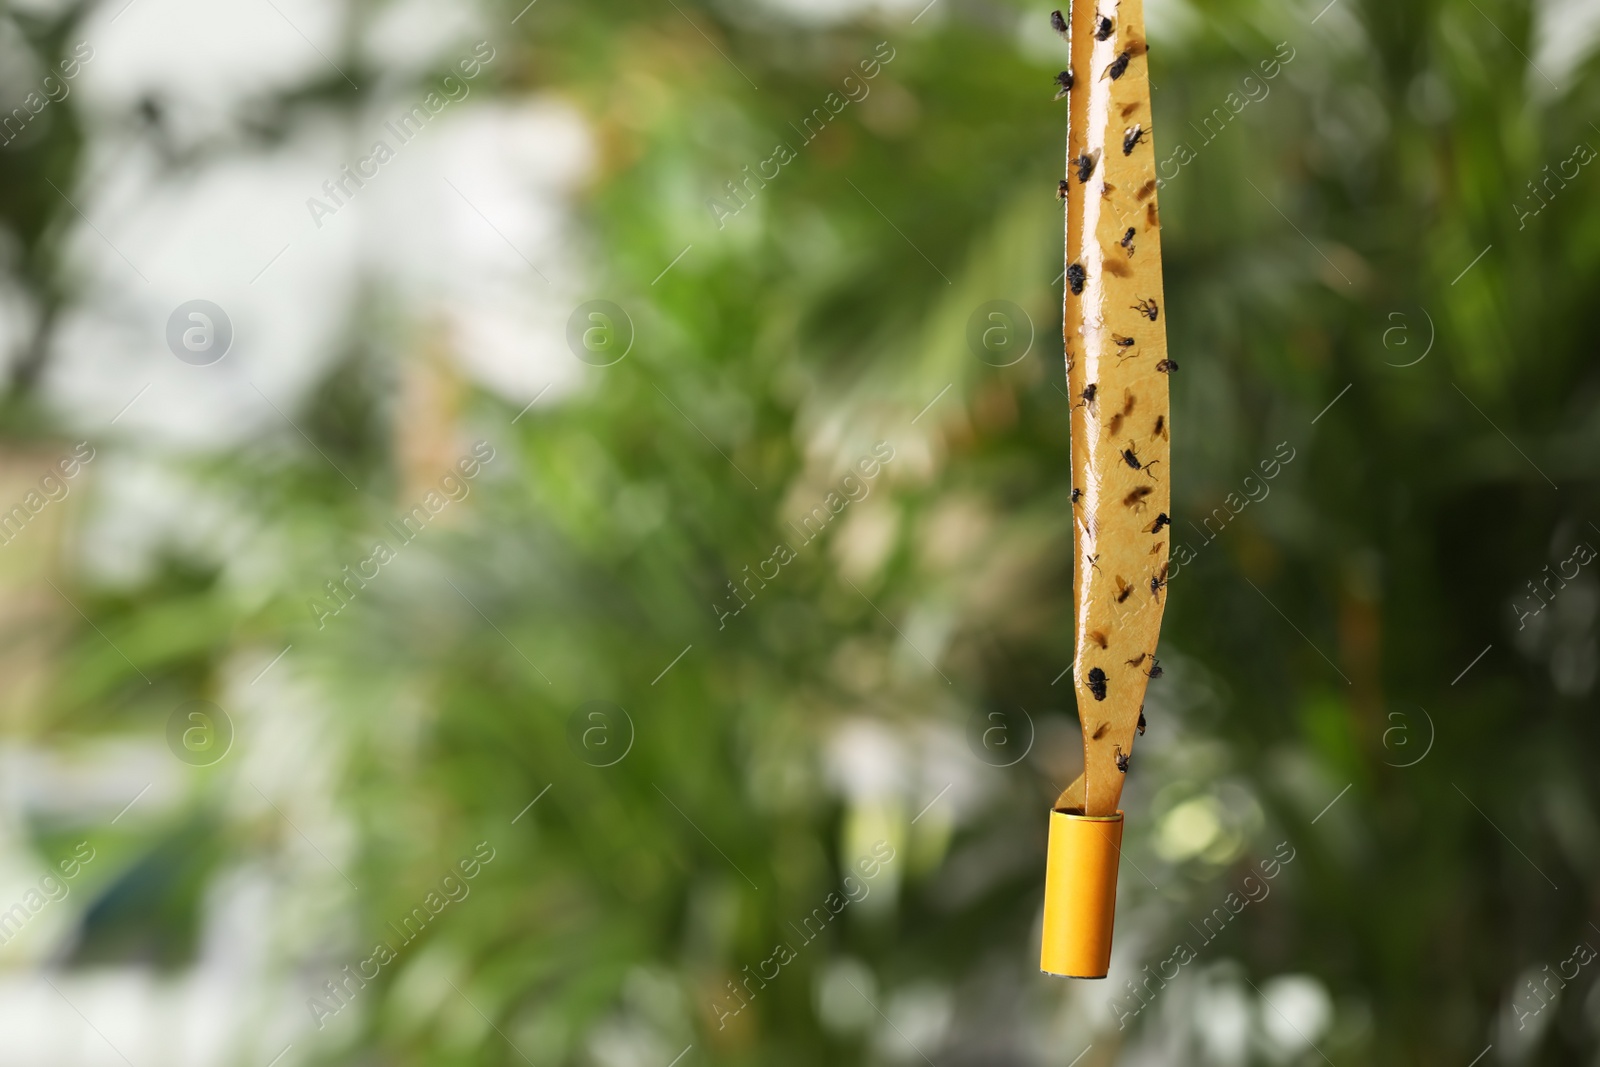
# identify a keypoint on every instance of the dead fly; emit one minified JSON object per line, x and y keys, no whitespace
{"x":1127,"y":409}
{"x":1094,"y":560}
{"x":1147,"y":308}
{"x":1138,"y":660}
{"x":1132,"y":138}
{"x":1058,"y":23}
{"x":1155,"y":670}
{"x":1100,"y":731}
{"x":1121,"y":341}
{"x":1118,"y":67}
{"x":1156,"y":583}
{"x":1161,"y":520}
{"x":1131,"y":459}
{"x":1124,"y":590}
{"x":1062,"y":189}
{"x":1161,"y":427}
{"x":1102,"y":29}
{"x":1086,"y":164}
{"x":1127,"y":241}
{"x":1088,"y":393}
{"x":1064,"y":80}
{"x":1076,"y":494}
{"x":1135,"y":499}
{"x":1098,"y":638}
{"x":1097,"y":683}
{"x":1141,"y":722}
{"x":1076,"y":276}
{"x":1122,"y":761}
{"x":1167,"y":366}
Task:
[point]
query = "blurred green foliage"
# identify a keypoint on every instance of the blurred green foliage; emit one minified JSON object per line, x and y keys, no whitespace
{"x":824,"y":317}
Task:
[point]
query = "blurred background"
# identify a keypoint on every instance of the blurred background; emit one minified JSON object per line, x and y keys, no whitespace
{"x":539,"y":534}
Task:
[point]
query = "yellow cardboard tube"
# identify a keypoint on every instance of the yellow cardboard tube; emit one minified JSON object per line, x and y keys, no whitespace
{"x":1080,"y":894}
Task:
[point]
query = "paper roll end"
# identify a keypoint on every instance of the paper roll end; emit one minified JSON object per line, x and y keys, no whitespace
{"x":1080,"y":894}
